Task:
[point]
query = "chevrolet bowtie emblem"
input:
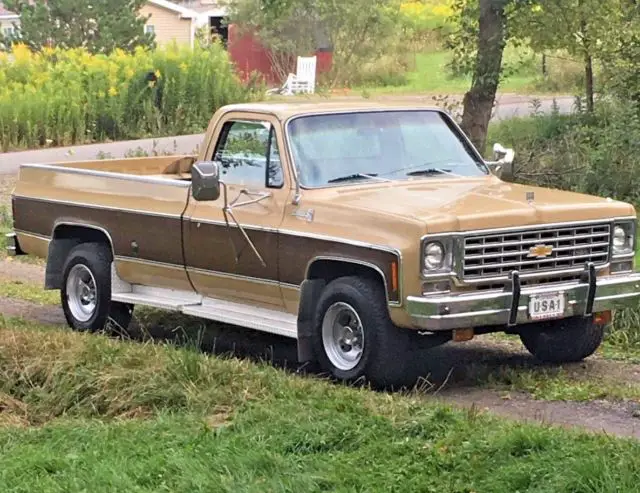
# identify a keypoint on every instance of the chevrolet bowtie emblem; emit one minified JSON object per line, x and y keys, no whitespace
{"x":540,"y":251}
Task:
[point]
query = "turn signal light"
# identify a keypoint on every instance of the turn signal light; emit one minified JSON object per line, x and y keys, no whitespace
{"x":602,"y":318}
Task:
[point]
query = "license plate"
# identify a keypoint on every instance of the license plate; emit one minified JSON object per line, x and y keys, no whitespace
{"x":546,"y":306}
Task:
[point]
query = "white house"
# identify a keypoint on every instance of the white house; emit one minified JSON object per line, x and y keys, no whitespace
{"x":8,"y":21}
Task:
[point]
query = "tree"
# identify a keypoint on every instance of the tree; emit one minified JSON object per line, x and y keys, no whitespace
{"x":356,"y":30}
{"x":100,"y":26}
{"x":481,"y":25}
{"x":577,"y":26}
{"x":619,"y":52}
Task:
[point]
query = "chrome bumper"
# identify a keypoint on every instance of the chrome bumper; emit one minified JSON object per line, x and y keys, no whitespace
{"x":511,"y":307}
{"x":13,"y":248}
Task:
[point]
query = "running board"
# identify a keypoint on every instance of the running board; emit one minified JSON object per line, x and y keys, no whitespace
{"x":192,"y":304}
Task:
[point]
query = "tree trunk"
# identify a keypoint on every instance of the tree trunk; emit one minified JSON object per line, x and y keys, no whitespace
{"x":478,"y":101}
{"x":588,"y":81}
{"x":588,"y":64}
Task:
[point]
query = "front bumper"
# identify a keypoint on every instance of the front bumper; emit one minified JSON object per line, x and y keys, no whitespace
{"x":511,"y":307}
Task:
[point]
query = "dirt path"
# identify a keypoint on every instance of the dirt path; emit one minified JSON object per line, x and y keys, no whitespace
{"x":454,"y":369}
{"x":613,"y":418}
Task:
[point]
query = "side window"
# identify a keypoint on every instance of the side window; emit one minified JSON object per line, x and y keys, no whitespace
{"x":248,"y":154}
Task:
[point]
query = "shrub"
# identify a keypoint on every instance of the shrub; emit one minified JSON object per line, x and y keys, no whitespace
{"x":385,"y":71}
{"x":597,"y":154}
{"x":65,"y":97}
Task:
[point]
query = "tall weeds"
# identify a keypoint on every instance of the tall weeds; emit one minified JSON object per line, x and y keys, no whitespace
{"x":64,"y":97}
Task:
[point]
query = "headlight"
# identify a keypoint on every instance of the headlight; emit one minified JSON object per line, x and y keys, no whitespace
{"x":436,"y":258}
{"x":623,"y":238}
{"x":433,"y":256}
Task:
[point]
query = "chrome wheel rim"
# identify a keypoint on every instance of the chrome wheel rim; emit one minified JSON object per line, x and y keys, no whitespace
{"x":81,"y":292}
{"x":343,"y":336}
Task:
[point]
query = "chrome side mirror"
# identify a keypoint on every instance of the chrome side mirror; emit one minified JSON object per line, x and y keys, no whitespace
{"x":205,"y":180}
{"x":502,"y":166}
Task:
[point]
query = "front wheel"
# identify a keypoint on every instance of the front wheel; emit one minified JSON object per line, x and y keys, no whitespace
{"x":563,"y":341}
{"x":354,"y":338}
{"x":86,"y":291}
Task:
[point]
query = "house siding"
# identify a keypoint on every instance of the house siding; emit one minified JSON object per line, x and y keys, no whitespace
{"x":168,"y":25}
{"x":7,"y":23}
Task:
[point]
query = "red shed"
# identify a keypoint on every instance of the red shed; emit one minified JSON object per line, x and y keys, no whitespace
{"x":249,"y":55}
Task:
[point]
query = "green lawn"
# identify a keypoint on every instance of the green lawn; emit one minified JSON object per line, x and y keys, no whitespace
{"x":431,"y":76}
{"x":85,"y":413}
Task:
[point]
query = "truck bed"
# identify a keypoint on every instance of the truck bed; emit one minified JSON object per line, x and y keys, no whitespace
{"x":134,"y":200}
{"x":169,"y":167}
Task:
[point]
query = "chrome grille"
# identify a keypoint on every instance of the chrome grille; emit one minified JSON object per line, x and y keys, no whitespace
{"x":497,"y":254}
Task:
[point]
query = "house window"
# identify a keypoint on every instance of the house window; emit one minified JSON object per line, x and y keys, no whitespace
{"x":149,"y":29}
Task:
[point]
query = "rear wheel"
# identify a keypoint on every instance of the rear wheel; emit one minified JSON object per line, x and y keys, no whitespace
{"x":563,"y":341}
{"x":86,"y":291}
{"x":354,"y":338}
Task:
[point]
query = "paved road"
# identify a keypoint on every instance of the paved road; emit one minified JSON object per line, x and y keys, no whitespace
{"x":507,"y":106}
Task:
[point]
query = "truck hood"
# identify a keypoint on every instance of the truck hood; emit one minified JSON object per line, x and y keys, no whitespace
{"x":452,"y":204}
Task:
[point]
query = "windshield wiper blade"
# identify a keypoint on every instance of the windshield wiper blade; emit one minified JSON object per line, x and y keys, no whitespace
{"x":353,"y":176}
{"x":430,"y":171}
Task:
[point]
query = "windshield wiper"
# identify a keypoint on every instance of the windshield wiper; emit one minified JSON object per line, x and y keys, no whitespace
{"x":430,"y":171}
{"x":353,"y":176}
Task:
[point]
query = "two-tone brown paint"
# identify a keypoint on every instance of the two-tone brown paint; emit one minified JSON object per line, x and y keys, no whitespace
{"x":211,"y":245}
{"x":375,"y":223}
{"x":157,"y":236}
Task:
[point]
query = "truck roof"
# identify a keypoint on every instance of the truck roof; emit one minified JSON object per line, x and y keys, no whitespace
{"x":284,"y":110}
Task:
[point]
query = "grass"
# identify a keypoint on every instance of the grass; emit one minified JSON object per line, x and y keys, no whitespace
{"x":85,"y":412}
{"x":432,"y":76}
{"x":29,"y":292}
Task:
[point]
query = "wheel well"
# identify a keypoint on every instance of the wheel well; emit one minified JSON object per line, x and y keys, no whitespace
{"x":65,"y":238}
{"x":328,"y":270}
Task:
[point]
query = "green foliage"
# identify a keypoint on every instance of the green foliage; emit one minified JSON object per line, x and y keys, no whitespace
{"x":596,"y":154}
{"x":65,"y":97}
{"x":99,"y":26}
{"x":621,"y":52}
{"x":358,"y":31}
{"x":572,"y":25}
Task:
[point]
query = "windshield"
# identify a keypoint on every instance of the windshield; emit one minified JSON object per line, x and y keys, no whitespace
{"x":386,"y":145}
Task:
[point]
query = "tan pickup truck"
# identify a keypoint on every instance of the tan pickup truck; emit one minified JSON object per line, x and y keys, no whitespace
{"x":362,"y":230}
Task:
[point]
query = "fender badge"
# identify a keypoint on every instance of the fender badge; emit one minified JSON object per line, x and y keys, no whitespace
{"x":307,"y":215}
{"x":530,"y":196}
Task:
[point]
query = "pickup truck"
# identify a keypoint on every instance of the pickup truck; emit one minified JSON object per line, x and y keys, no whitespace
{"x":365,"y":231}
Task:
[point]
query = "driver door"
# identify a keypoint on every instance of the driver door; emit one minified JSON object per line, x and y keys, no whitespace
{"x":231,"y":244}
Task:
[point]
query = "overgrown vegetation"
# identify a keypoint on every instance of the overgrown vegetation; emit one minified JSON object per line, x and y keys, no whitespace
{"x":64,"y":97}
{"x":596,"y":153}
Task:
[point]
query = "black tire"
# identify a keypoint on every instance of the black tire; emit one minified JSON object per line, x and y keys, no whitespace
{"x":384,"y":359}
{"x":94,"y":259}
{"x":563,"y":341}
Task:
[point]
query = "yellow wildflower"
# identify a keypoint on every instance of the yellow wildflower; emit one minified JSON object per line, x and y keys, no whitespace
{"x":113,"y":92}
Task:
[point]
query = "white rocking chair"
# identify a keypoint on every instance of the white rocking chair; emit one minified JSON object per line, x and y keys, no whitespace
{"x":304,"y":80}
